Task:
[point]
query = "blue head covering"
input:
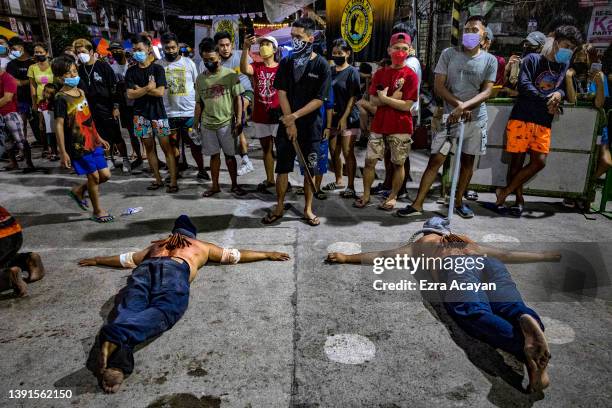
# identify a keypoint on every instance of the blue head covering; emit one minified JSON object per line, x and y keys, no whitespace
{"x":436,"y":225}
{"x":184,"y":226}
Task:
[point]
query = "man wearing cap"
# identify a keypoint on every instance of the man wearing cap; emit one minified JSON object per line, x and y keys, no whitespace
{"x":464,"y":79}
{"x":532,"y":44}
{"x":266,"y":107}
{"x":393,"y":91}
{"x":157,"y":292}
{"x":498,"y":316}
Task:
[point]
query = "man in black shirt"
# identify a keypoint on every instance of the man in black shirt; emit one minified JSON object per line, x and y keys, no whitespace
{"x":18,"y":65}
{"x":146,"y":83}
{"x":99,"y":83}
{"x":303,"y":82}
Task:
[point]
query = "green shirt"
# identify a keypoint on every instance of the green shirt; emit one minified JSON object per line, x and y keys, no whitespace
{"x":216,"y":93}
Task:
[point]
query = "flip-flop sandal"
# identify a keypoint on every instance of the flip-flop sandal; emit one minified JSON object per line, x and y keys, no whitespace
{"x":172,"y":189}
{"x":210,"y":193}
{"x":155,"y":186}
{"x":332,"y":186}
{"x":299,"y":191}
{"x":313,"y":222}
{"x":516,"y":210}
{"x":499,"y":209}
{"x":264,"y":186}
{"x":320,"y":195}
{"x":359,"y":203}
{"x":81,"y":203}
{"x":103,"y":219}
{"x":386,"y":207}
{"x":271,"y":219}
{"x":239,"y":191}
{"x":348,"y":193}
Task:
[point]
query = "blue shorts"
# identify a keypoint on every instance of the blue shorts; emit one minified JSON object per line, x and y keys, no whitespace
{"x":322,"y":158}
{"x":90,"y":162}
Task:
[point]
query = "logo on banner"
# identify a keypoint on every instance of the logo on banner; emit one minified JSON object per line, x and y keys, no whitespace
{"x":356,"y":25}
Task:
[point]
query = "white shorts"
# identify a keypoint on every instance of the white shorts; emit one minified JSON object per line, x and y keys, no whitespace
{"x":215,"y":140}
{"x":265,"y":130}
{"x":474,"y":139}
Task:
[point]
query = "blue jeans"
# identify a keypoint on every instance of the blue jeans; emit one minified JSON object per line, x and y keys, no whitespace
{"x":492,"y":315}
{"x":156,"y":297}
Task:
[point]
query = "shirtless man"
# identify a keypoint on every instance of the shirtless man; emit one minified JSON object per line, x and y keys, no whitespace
{"x":497,"y":317}
{"x":13,"y":265}
{"x":157,"y":293}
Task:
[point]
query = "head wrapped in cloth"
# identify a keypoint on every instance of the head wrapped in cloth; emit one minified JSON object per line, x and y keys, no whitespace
{"x":434,"y":225}
{"x":184,"y":226}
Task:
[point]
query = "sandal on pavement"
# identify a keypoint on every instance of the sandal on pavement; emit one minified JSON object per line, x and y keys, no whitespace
{"x":102,"y":219}
{"x":155,"y":186}
{"x":81,"y":203}
{"x":313,"y":222}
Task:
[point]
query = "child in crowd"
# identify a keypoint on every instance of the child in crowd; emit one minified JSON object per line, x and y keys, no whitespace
{"x":45,"y":107}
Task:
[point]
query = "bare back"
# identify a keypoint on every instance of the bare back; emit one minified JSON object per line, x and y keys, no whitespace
{"x":196,"y":254}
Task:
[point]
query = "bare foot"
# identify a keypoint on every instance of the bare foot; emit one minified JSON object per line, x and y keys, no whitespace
{"x":19,"y":286}
{"x":536,"y":353}
{"x":35,"y":265}
{"x":111,"y":380}
{"x":500,"y":195}
{"x":106,"y":349}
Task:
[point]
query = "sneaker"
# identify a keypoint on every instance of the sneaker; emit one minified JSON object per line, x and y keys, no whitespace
{"x":110,"y":164}
{"x":464,"y":211}
{"x":126,"y":168}
{"x":245,"y":168}
{"x":409,"y":211}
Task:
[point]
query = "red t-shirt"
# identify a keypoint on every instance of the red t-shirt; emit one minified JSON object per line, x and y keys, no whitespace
{"x":266,"y":96}
{"x":388,"y":120}
{"x":501,"y":67}
{"x":8,"y":84}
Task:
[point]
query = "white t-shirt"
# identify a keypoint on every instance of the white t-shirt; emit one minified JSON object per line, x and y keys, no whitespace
{"x":119,"y":70}
{"x":233,"y":63}
{"x":4,"y":61}
{"x":414,"y":64}
{"x":179,"y":98}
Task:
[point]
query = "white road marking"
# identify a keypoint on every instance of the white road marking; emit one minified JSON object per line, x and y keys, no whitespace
{"x":345,"y":247}
{"x":500,"y":238}
{"x":557,"y":332}
{"x":348,"y":348}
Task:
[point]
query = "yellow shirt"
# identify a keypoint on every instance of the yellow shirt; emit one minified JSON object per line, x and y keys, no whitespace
{"x":41,"y":78}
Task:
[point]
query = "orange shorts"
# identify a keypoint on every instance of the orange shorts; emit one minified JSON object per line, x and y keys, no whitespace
{"x":522,"y":136}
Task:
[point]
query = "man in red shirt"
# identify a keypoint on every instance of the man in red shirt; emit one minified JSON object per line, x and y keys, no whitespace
{"x":393,"y":91}
{"x":13,"y":264}
{"x":13,"y":122}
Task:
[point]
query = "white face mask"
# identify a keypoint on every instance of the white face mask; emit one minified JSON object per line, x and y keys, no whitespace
{"x":84,"y":58}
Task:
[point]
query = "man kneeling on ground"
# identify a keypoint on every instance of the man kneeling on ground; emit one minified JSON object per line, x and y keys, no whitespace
{"x":157,"y":293}
{"x":14,"y":264}
{"x":497,"y":317}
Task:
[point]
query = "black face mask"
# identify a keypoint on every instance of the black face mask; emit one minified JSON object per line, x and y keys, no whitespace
{"x":211,"y":66}
{"x":339,"y":60}
{"x":171,"y":56}
{"x":40,"y":58}
{"x":117,"y":56}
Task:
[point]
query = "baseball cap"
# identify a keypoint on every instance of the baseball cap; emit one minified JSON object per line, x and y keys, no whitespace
{"x":400,"y":37}
{"x":115,"y":45}
{"x":268,"y":38}
{"x":436,"y":225}
{"x":536,"y":38}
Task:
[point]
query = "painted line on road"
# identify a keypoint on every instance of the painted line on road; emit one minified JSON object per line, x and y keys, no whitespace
{"x":349,"y":348}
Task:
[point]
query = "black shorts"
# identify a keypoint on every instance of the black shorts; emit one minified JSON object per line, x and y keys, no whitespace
{"x":285,"y":153}
{"x":9,"y":247}
{"x":127,"y":117}
{"x":108,"y":129}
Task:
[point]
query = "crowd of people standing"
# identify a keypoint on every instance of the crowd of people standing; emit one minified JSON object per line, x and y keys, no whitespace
{"x":313,"y":103}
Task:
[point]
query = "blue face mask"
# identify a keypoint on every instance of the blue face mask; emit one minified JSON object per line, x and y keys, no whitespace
{"x":564,"y":55}
{"x":140,"y":56}
{"x":3,"y":49}
{"x":72,"y":82}
{"x":16,"y":53}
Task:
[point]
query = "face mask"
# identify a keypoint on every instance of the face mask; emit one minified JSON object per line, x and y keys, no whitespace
{"x":140,"y":56}
{"x":339,"y":60}
{"x":564,"y":55}
{"x":398,"y":57}
{"x":3,"y":49}
{"x":471,"y":40}
{"x":170,"y":56}
{"x":72,"y":82}
{"x":15,"y":54}
{"x":211,"y":66}
{"x":84,"y":58}
{"x":40,"y":58}
{"x":300,"y":47}
{"x":266,"y":51}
